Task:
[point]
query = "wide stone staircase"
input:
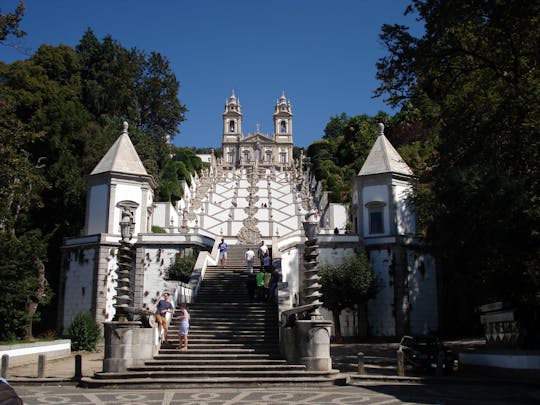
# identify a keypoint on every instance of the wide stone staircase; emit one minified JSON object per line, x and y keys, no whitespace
{"x":232,"y":342}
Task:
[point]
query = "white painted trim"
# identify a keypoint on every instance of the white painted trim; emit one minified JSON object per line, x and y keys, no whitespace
{"x":33,"y":349}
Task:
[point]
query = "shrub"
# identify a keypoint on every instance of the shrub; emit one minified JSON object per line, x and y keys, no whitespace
{"x":84,"y":332}
{"x":181,"y":270}
{"x":158,"y":229}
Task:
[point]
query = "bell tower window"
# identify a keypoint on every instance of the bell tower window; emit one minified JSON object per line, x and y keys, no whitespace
{"x":283,"y":127}
{"x":232,"y":126}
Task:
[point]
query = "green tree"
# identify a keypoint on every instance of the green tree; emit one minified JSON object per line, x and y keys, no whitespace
{"x":23,"y":285}
{"x":338,"y":157}
{"x":346,"y":285}
{"x":474,"y":78}
{"x":57,"y":119}
{"x":9,"y":24}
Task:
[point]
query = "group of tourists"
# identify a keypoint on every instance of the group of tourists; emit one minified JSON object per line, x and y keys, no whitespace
{"x":164,"y":307}
{"x":263,"y":285}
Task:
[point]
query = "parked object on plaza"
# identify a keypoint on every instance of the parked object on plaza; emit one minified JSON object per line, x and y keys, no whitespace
{"x":422,"y":352}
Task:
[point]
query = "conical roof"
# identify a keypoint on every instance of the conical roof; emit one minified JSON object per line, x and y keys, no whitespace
{"x":121,"y":157}
{"x":383,"y":158}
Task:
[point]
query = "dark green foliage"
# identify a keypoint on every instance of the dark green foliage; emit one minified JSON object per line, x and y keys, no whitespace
{"x":184,"y":164}
{"x":346,"y":285}
{"x":19,"y":280}
{"x":9,"y":23}
{"x":181,"y":270}
{"x":473,"y":79}
{"x":340,"y":154}
{"x":158,"y":229}
{"x":61,"y":110}
{"x":84,"y":332}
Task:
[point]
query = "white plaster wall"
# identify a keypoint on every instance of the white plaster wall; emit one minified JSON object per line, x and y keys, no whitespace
{"x":405,"y":212}
{"x":79,"y":284}
{"x":110,"y":287}
{"x":156,"y":260}
{"x":338,"y":216}
{"x":380,"y":314}
{"x":290,"y":260}
{"x":158,"y":218}
{"x":375,"y":193}
{"x":333,"y":256}
{"x":422,"y":280}
{"x":131,"y":192}
{"x":97,"y":209}
{"x":348,"y":319}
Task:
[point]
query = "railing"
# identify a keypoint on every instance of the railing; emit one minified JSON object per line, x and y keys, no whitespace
{"x":289,"y":316}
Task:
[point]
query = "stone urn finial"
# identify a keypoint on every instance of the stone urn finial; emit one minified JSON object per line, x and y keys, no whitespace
{"x":381,"y":128}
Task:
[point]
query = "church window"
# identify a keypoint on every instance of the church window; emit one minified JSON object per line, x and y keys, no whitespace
{"x":231,"y":126}
{"x":246,"y":156}
{"x":283,"y":126}
{"x":283,"y":157}
{"x":268,"y":157}
{"x":229,"y":157}
{"x":376,"y":217}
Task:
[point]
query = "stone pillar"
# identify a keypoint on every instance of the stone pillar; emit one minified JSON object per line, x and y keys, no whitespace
{"x":313,"y":343}
{"x":127,"y":344}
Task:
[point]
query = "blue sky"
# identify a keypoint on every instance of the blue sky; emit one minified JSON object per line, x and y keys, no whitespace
{"x":321,"y":53}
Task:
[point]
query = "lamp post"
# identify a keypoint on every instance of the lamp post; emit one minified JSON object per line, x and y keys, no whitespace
{"x":312,"y":294}
{"x":123,"y":282}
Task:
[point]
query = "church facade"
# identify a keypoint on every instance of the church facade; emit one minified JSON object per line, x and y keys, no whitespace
{"x":274,"y":151}
{"x":255,"y":192}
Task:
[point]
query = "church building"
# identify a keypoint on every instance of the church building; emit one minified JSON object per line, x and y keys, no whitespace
{"x":274,"y":151}
{"x":255,"y":193}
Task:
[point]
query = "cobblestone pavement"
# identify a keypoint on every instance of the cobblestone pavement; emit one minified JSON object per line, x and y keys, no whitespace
{"x":386,"y":394}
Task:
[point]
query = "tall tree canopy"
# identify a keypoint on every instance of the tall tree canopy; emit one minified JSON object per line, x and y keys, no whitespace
{"x":60,"y":111}
{"x":348,"y":284}
{"x":473,"y":79}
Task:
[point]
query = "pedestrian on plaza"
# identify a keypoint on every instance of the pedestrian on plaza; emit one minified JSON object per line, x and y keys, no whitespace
{"x":275,"y":278}
{"x":183,"y":329}
{"x":163,"y":308}
{"x":267,"y":275}
{"x":267,"y":263}
{"x":260,"y":285}
{"x":263,"y":249}
{"x":223,"y":252}
{"x":251,"y":285}
{"x":248,"y":259}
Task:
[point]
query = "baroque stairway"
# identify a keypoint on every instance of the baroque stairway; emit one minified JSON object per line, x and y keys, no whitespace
{"x":232,"y":342}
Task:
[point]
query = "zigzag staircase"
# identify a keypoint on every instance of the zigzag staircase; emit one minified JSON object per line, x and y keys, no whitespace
{"x":232,"y":342}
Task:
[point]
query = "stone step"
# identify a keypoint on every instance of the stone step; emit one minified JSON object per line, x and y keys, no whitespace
{"x":205,"y":355}
{"x":198,"y":382}
{"x":253,"y":339}
{"x":212,"y":367}
{"x":218,"y":346}
{"x":164,"y":360}
{"x":221,"y":350}
{"x":208,"y":373}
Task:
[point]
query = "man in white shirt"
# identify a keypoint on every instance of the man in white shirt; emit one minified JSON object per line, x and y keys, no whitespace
{"x":248,"y":259}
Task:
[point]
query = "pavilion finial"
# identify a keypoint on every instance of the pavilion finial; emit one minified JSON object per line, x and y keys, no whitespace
{"x":125,"y":126}
{"x":381,"y":128}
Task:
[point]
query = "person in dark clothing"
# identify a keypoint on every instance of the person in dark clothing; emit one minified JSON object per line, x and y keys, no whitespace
{"x":275,"y":278}
{"x":251,"y":285}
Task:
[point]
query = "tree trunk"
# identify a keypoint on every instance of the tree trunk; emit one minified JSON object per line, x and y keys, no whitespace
{"x":337,"y":326}
{"x":34,"y":301}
